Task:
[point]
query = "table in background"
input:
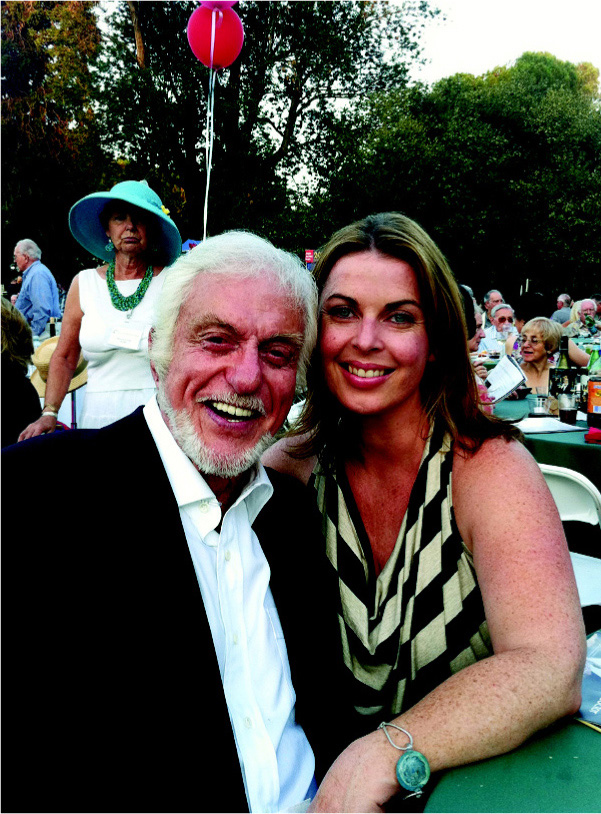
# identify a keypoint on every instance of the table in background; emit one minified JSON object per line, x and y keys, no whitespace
{"x":567,"y":449}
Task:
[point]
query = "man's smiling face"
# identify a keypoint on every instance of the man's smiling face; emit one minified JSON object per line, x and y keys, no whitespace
{"x":232,"y":377}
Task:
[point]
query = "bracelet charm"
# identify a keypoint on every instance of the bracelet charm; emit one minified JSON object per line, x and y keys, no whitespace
{"x":412,"y":768}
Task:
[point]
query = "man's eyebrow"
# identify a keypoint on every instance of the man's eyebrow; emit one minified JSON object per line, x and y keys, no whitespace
{"x":214,"y":321}
{"x":296,"y":340}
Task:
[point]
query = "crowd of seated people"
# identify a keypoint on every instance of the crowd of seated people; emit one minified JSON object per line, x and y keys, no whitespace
{"x":527,"y":334}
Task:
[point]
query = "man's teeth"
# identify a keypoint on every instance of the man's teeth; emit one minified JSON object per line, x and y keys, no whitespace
{"x":365,"y":374}
{"x":231,"y":409}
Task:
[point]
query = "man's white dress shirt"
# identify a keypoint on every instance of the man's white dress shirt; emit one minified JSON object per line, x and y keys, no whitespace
{"x":276,"y":759}
{"x":491,"y":339}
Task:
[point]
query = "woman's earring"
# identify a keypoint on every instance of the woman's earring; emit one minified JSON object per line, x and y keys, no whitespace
{"x":109,"y":246}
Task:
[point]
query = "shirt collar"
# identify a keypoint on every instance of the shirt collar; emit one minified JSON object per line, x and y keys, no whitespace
{"x":187,"y":483}
{"x":28,"y":269}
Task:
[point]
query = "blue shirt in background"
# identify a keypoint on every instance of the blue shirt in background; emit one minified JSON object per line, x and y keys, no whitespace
{"x":38,"y":299}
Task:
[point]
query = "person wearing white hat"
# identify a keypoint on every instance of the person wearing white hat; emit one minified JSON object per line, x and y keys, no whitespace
{"x":110,"y":308}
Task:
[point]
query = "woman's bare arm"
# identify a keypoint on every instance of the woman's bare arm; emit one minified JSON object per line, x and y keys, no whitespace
{"x":577,"y":355}
{"x":62,"y":364}
{"x":507,"y":516}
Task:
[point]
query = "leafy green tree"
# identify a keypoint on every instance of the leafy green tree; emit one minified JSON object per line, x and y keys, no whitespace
{"x":277,"y":111}
{"x":50,"y":150}
{"x":504,"y":170}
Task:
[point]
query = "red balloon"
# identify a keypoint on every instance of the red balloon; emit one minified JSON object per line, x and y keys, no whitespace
{"x":220,"y":4}
{"x":229,"y":36}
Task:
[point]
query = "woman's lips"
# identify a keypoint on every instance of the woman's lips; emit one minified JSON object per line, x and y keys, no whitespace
{"x":365,"y":375}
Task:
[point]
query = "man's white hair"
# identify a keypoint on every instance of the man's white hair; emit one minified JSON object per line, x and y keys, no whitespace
{"x":30,"y":248}
{"x":233,"y":253}
{"x":502,"y":306}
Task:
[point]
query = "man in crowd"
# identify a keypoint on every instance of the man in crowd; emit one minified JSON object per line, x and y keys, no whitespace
{"x":564,"y":305}
{"x":38,"y":299}
{"x":502,"y":326}
{"x":492,"y":298}
{"x":162,"y":629}
{"x":585,"y":326}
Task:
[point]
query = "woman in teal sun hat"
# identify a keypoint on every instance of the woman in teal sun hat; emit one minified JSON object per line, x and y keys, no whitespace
{"x":110,"y":307}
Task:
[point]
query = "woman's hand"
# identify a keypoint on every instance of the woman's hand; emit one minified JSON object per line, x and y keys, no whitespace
{"x":44,"y":424}
{"x":362,"y":778}
{"x":479,"y":368}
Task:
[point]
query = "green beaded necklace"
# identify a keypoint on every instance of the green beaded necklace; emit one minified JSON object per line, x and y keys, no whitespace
{"x":120,"y":302}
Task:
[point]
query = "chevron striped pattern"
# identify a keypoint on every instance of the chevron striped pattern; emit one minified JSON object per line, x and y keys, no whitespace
{"x":422,"y":619}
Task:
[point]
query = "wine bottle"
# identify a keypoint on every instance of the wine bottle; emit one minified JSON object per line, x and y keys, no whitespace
{"x":594,"y":363}
{"x":564,"y":362}
{"x":52,"y":326}
{"x":562,"y":377}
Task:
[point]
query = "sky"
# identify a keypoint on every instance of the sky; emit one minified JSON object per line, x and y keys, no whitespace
{"x":479,"y":35}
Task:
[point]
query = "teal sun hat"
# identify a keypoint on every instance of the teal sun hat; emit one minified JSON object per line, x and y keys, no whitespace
{"x":86,"y":228}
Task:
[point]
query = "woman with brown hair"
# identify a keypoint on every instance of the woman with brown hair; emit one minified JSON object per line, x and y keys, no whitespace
{"x":459,"y":616}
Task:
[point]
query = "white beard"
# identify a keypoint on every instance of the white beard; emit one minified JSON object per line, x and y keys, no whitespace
{"x":206,"y":460}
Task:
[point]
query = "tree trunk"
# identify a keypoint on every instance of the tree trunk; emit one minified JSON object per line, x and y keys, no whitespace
{"x":140,"y":56}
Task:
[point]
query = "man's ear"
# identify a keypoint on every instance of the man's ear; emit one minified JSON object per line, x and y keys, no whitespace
{"x":155,"y":375}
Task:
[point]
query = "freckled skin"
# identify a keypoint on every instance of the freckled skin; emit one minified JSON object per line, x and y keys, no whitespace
{"x":505,"y":515}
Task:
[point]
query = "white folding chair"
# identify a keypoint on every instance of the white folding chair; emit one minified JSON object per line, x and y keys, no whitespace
{"x":577,"y":498}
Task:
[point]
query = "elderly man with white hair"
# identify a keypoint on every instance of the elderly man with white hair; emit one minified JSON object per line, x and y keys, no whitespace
{"x":169,"y":635}
{"x":585,"y":325}
{"x":38,"y":299}
{"x":502,"y":327}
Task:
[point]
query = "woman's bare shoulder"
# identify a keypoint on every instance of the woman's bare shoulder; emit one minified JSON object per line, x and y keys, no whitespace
{"x":500,"y":487}
{"x":279,"y":457}
{"x":493,"y":462}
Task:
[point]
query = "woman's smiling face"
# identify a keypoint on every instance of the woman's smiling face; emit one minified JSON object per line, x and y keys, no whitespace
{"x":373,"y":340}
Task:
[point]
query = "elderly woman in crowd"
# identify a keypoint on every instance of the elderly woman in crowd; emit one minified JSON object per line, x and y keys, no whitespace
{"x":459,"y":614}
{"x":539,"y":341}
{"x":110,"y":308}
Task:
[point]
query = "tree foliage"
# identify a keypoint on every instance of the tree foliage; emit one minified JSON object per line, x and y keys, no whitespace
{"x":315,"y":125}
{"x":503,"y":169}
{"x":50,"y":148}
{"x":276,"y":106}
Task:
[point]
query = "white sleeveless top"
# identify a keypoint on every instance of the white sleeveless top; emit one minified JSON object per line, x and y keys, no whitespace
{"x":111,"y":367}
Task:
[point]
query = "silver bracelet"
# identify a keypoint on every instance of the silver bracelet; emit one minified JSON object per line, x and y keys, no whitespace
{"x":412,"y":768}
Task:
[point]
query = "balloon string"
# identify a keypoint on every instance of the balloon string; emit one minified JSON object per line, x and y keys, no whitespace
{"x":210,"y":121}
{"x":209,"y":143}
